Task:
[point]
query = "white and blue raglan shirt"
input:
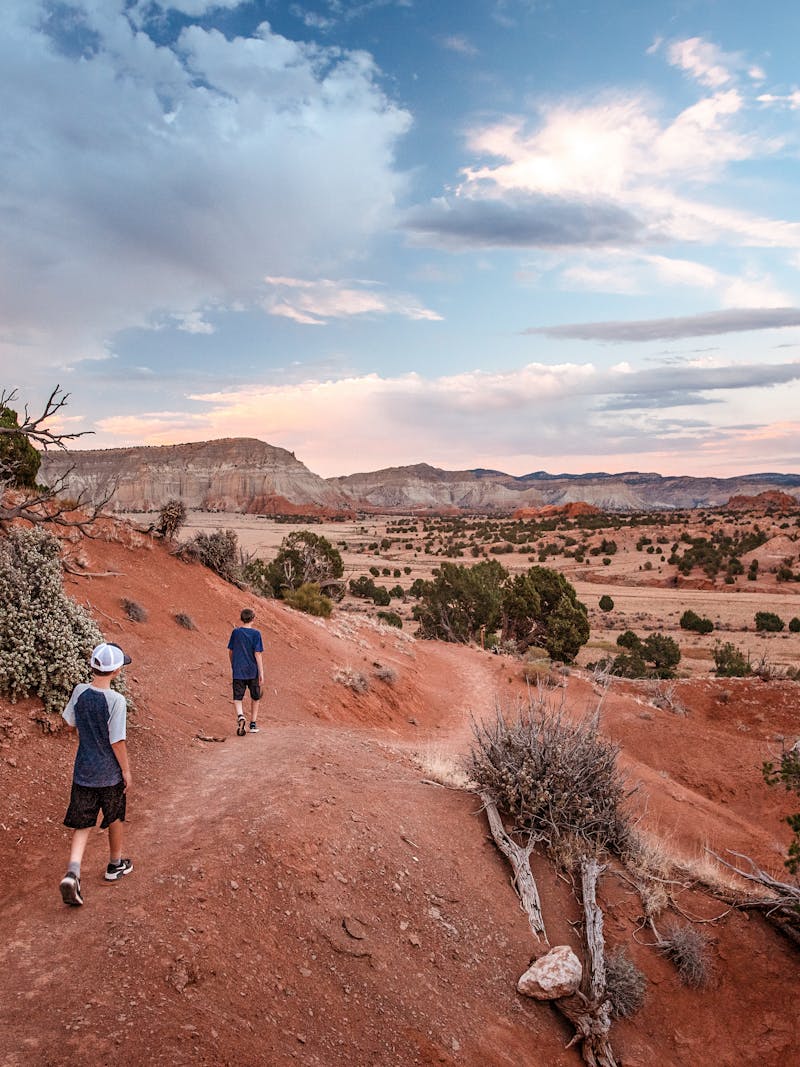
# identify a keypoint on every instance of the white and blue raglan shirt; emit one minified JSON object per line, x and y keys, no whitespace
{"x":100,"y":716}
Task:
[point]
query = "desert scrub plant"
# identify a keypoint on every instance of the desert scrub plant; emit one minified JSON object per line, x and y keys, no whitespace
{"x":625,"y":984}
{"x":557,"y":780}
{"x":688,"y":950}
{"x":385,"y":674}
{"x":730,"y":661}
{"x":219,"y":551}
{"x":184,"y":620}
{"x":769,"y":622}
{"x":353,"y":679}
{"x":309,"y":599}
{"x":391,"y":618}
{"x":171,"y":519}
{"x":45,"y":636}
{"x":134,"y":611}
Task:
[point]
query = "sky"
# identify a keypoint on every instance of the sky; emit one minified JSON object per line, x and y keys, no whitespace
{"x":522,"y":235}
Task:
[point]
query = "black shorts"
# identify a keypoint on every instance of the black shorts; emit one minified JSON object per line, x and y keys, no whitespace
{"x":242,"y":684}
{"x":86,"y":801}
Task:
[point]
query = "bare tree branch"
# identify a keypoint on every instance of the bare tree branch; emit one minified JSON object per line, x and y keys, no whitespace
{"x":34,"y":428}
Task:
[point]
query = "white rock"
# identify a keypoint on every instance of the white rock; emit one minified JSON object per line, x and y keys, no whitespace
{"x":556,"y":974}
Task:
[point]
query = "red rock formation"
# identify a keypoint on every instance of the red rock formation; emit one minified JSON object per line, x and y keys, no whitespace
{"x":769,"y":500}
{"x":549,"y":511}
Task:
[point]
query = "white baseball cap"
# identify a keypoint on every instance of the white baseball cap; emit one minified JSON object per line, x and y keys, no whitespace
{"x":108,"y":657}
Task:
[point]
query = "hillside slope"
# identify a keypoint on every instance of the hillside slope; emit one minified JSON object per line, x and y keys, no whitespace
{"x":303,"y":896}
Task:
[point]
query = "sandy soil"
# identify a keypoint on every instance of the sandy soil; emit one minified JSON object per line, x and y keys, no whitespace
{"x":305,"y":896}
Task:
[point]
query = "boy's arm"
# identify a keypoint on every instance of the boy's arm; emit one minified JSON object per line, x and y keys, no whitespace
{"x":260,"y":663}
{"x":121,"y":752}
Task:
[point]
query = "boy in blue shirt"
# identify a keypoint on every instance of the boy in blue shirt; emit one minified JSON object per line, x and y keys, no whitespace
{"x":245,"y":649}
{"x":102,"y":774}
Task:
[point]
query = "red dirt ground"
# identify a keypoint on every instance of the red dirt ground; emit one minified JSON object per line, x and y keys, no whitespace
{"x":303,"y":896}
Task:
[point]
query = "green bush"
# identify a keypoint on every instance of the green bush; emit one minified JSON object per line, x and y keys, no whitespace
{"x":305,"y":557}
{"x":794,"y":625}
{"x":731,"y":662}
{"x":391,"y":618}
{"x":768,"y":621}
{"x":655,"y":657}
{"x":45,"y":636}
{"x":19,"y":460}
{"x":606,"y":603}
{"x":310,"y":599}
{"x":690,"y":620}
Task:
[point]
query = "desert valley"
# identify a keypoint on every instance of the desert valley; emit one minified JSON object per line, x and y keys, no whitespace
{"x":327,"y":892}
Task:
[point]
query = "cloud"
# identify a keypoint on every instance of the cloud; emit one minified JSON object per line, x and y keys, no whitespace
{"x":708,"y":64}
{"x":199,"y":167}
{"x":735,"y":320}
{"x":523,"y":221}
{"x":313,"y":303}
{"x":617,"y":154}
{"x":531,"y":412}
{"x":791,"y":100}
{"x":459,"y":44}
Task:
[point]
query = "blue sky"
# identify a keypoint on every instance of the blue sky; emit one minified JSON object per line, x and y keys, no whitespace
{"x":513,"y":234}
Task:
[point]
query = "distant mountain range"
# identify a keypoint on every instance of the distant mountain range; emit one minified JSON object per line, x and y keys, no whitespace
{"x":247,"y":475}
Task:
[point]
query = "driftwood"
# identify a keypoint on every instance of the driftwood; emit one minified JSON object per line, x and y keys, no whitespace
{"x":781,"y":907}
{"x":520,"y":860}
{"x":208,"y":737}
{"x":589,"y":1011}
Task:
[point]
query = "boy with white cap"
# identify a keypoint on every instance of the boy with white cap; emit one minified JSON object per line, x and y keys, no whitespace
{"x":102,"y":774}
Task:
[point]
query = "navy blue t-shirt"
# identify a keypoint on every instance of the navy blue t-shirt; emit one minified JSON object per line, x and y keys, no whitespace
{"x":99,"y":715}
{"x":244,"y":643}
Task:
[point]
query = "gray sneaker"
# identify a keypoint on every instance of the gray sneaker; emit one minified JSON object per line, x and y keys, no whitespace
{"x":253,"y":728}
{"x":240,"y":726}
{"x":71,"y":889}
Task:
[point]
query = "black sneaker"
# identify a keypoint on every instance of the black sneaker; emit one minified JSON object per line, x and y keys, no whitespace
{"x":71,"y":889}
{"x":240,"y":726}
{"x":253,"y":728}
{"x":117,"y":870}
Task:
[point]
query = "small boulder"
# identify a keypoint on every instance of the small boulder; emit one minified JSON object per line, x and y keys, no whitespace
{"x":554,"y":975}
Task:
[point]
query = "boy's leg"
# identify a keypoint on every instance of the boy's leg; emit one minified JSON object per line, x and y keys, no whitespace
{"x":80,"y":839}
{"x":116,"y":835}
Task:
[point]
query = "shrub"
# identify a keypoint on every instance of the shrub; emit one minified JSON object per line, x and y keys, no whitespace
{"x":305,"y":557}
{"x":19,"y":460}
{"x":554,"y":778}
{"x":352,"y":679}
{"x":134,"y":611}
{"x":730,"y":661}
{"x":219,"y":551}
{"x":794,"y":625}
{"x":391,"y":618}
{"x":688,"y":950}
{"x":385,"y":674}
{"x":310,"y":599}
{"x":258,"y":576}
{"x":690,"y":620}
{"x":171,"y":519}
{"x":540,"y":608}
{"x":769,"y":622}
{"x":381,"y":597}
{"x":460,"y":601}
{"x":625,"y":984}
{"x":186,"y":621}
{"x":45,"y":636}
{"x":606,"y":603}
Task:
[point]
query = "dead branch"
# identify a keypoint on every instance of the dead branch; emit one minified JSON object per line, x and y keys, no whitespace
{"x":34,"y":428}
{"x":520,"y":860}
{"x":781,"y":908}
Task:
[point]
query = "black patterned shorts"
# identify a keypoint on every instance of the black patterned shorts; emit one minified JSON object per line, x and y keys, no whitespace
{"x":242,"y":684}
{"x":85,"y":802}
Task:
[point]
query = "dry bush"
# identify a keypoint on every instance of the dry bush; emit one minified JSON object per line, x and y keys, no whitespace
{"x":663,"y":695}
{"x":625,"y":984}
{"x":556,"y":779}
{"x":186,"y":621}
{"x":134,"y":611}
{"x":649,"y":861}
{"x":353,"y":679}
{"x":385,"y":674}
{"x":688,"y":950}
{"x":439,"y":766}
{"x":541,"y":673}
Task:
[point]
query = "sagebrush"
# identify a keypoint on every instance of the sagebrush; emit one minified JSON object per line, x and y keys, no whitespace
{"x":45,"y":636}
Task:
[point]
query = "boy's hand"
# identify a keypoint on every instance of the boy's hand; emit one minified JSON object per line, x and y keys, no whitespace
{"x":128,"y":780}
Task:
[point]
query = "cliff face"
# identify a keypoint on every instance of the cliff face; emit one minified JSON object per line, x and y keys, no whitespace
{"x":246,"y":475}
{"x":232,"y":474}
{"x":422,"y":486}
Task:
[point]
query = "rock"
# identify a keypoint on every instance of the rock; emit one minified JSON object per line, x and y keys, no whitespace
{"x":554,"y":975}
